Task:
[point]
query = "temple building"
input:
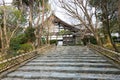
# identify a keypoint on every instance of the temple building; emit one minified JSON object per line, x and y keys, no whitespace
{"x":64,"y":33}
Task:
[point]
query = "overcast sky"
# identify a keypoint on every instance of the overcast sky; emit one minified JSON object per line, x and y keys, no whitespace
{"x":59,"y":12}
{"x":8,"y":1}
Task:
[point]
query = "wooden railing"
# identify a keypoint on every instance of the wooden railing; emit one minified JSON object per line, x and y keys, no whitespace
{"x":108,"y":53}
{"x":13,"y":61}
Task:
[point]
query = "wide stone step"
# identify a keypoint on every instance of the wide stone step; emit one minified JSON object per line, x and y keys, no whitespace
{"x":67,"y":63}
{"x":28,"y":79}
{"x":70,"y":60}
{"x":73,"y":71}
{"x":74,"y":55}
{"x":70,"y":69}
{"x":60,"y":65}
{"x":62,"y":75}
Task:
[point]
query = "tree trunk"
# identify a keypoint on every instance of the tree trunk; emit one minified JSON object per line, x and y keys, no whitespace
{"x":98,"y":39}
{"x":30,"y":16}
{"x":106,"y":23}
{"x":2,"y":41}
{"x":41,"y":28}
{"x":48,"y":41}
{"x":111,"y":40}
{"x":5,"y":36}
{"x":108,"y":40}
{"x":109,"y":33}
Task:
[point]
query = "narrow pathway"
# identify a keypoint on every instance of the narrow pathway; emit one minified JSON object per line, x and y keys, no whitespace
{"x":67,"y":63}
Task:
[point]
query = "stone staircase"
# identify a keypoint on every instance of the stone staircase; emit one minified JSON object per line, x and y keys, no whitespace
{"x":67,"y":63}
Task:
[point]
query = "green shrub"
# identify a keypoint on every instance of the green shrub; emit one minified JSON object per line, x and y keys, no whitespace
{"x":91,"y":39}
{"x":22,"y":38}
{"x":26,"y":47}
{"x":29,"y":33}
{"x":114,"y":37}
{"x":53,"y":41}
{"x":20,"y":42}
{"x":85,"y":41}
{"x":14,"y":44}
{"x":43,"y":40}
{"x":17,"y":41}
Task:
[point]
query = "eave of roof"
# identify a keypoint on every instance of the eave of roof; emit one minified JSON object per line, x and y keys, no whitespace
{"x":64,"y":24}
